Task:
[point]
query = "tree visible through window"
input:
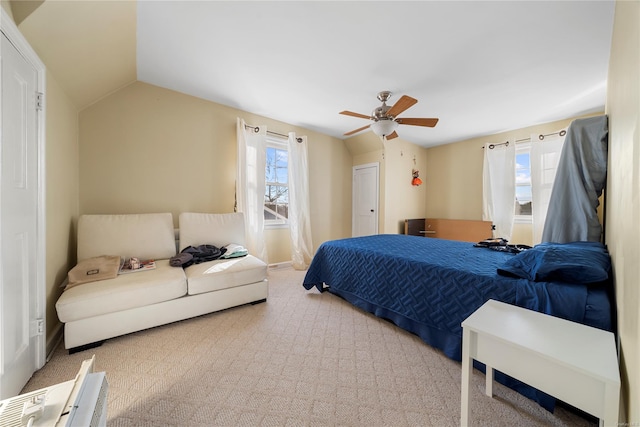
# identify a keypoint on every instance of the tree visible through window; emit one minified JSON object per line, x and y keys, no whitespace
{"x":523,"y":182}
{"x":276,"y":196}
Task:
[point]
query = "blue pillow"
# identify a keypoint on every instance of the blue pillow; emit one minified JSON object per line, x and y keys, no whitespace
{"x":576,"y":262}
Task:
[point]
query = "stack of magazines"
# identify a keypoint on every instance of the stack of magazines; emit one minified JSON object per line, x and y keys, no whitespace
{"x":134,"y":265}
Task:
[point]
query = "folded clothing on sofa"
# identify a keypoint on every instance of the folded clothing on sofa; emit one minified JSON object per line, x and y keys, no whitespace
{"x":234,"y":251}
{"x":93,"y":269}
{"x":182,"y":259}
{"x":199,"y":254}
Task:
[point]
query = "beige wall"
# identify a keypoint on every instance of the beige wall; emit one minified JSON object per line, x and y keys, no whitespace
{"x":403,"y":200}
{"x":6,"y":5}
{"x":399,"y":200}
{"x":278,"y":244}
{"x":90,"y":46}
{"x":149,"y":149}
{"x":61,"y":193}
{"x":22,"y":9}
{"x":623,"y":201}
{"x":454,"y":176}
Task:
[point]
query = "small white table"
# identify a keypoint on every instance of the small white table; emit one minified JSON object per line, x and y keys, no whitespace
{"x":570,"y":361}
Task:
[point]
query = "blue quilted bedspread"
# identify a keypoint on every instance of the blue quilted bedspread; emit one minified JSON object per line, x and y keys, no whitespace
{"x":429,"y":286}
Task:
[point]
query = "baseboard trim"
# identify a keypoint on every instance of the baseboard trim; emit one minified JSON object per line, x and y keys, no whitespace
{"x":279,"y":265}
{"x":54,"y":341}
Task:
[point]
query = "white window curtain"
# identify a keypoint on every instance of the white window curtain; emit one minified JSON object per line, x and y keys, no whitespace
{"x":499,"y":187}
{"x":545,"y":154}
{"x":250,"y":185}
{"x":299,"y":211}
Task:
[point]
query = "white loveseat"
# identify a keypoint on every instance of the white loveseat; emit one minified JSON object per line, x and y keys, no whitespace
{"x":95,"y":311}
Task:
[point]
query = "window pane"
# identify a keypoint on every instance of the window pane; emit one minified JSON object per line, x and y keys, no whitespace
{"x":276,"y":196}
{"x":523,"y":200}
{"x":523,"y":184}
{"x":270,"y":165}
{"x":277,"y":162}
{"x":523,"y":169}
{"x":283,"y":211}
{"x":269,"y":211}
{"x":523,"y":193}
{"x":281,"y":165}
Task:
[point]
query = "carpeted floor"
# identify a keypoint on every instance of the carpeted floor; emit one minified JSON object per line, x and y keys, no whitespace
{"x":300,"y":359}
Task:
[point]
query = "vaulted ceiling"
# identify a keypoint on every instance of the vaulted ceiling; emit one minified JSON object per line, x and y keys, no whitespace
{"x":481,"y":67}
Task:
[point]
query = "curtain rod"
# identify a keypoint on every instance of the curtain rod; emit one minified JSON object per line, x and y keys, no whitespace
{"x":541,"y":137}
{"x":256,"y":129}
{"x":492,"y":146}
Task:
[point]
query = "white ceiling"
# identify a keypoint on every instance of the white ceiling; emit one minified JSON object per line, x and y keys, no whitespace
{"x":481,"y":67}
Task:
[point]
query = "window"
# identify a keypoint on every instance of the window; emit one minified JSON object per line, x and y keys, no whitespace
{"x":276,"y":196}
{"x":523,"y":184}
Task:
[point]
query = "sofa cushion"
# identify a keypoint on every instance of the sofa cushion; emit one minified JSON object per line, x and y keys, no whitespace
{"x":144,"y":236}
{"x":124,"y":292}
{"x":211,"y":229}
{"x":224,"y":273}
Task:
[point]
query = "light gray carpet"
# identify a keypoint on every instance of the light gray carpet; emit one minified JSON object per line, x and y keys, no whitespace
{"x":300,"y":359}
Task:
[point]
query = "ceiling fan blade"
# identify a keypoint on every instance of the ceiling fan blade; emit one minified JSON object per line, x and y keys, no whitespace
{"x":351,"y":113}
{"x":356,"y":130}
{"x":403,"y":104}
{"x":391,"y":135}
{"x":418,"y":122}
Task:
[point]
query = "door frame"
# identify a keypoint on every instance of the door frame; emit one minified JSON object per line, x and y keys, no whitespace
{"x":376,"y":166}
{"x":15,"y":37}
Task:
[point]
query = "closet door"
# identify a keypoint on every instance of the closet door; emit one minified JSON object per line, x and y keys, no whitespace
{"x":21,"y":312}
{"x":365,"y":199}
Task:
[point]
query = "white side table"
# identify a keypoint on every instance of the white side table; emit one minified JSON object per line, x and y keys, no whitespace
{"x":570,"y":361}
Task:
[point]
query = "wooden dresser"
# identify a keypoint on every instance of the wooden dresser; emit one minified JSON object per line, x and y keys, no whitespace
{"x":450,"y":229}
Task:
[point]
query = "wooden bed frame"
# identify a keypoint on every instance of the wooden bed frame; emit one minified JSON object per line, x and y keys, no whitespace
{"x":450,"y":229}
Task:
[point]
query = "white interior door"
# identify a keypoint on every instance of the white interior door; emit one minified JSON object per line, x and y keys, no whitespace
{"x":365,"y":199}
{"x":21,"y":319}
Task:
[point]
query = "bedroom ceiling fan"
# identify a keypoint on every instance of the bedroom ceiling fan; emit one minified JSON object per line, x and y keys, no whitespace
{"x":385,"y":118}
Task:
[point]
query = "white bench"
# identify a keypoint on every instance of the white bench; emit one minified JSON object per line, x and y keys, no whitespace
{"x":570,"y":361}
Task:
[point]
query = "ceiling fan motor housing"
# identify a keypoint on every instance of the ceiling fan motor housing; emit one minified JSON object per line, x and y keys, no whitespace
{"x":380,"y":113}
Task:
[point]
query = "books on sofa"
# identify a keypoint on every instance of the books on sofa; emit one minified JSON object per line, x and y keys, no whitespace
{"x":134,"y":265}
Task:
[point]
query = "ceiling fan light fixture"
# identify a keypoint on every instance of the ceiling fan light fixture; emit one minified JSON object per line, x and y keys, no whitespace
{"x":384,"y":127}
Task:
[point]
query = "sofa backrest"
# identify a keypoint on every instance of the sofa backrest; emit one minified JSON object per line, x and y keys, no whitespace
{"x":144,"y":236}
{"x":211,"y":229}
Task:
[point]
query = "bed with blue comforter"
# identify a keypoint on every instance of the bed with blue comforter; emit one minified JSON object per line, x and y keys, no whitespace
{"x":428,"y":286}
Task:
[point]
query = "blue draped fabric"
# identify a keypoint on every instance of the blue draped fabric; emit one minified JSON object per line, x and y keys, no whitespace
{"x":579,"y":181}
